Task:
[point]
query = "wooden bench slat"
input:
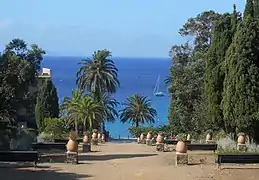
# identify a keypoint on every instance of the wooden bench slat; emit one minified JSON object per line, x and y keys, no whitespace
{"x":66,"y":140}
{"x":174,"y":142}
{"x":19,"y":156}
{"x":202,"y":147}
{"x":48,"y":146}
{"x":238,"y":158}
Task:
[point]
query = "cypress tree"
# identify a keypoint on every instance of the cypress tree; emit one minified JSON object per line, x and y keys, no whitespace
{"x":223,"y":33}
{"x":241,"y":88}
{"x":47,"y":104}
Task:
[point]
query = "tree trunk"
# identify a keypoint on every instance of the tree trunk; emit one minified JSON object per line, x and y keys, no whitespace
{"x":76,"y":128}
{"x":103,"y":126}
{"x":137,"y":124}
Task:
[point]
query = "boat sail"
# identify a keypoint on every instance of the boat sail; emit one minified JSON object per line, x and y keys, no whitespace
{"x":156,"y":91}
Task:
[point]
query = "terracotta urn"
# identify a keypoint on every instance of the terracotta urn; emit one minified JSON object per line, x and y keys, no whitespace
{"x":149,"y":135}
{"x":99,"y":136}
{"x":138,"y":140}
{"x":188,"y":138}
{"x":142,"y":136}
{"x":181,"y":147}
{"x":103,"y":137}
{"x":209,"y":137}
{"x":160,"y":138}
{"x":86,"y":139}
{"x":241,"y":139}
{"x":94,"y":135}
{"x":72,"y":145}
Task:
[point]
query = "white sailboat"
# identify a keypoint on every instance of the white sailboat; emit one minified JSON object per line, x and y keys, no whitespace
{"x":156,"y":91}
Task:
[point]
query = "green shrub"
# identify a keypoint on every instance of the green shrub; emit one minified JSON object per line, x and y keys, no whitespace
{"x":23,"y":139}
{"x":136,"y":131}
{"x":55,"y":127}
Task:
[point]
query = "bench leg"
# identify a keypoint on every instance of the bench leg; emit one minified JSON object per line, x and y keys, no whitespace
{"x":35,"y":164}
{"x":219,"y":162}
{"x":219,"y":166}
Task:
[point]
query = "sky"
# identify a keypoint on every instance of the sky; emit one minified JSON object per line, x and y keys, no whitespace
{"x":128,"y":28}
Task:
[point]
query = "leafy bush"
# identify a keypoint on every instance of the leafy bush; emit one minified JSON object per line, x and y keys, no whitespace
{"x":55,"y":127}
{"x":23,"y":139}
{"x":6,"y":132}
{"x":229,"y":146}
{"x":136,"y":131}
{"x":44,"y":137}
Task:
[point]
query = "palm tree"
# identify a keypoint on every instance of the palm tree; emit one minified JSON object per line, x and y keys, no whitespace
{"x":69,"y":108}
{"x":137,"y":109}
{"x":109,"y":105}
{"x":89,"y":112}
{"x":98,"y":74}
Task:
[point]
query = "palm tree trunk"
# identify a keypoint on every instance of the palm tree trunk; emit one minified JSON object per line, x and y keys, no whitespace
{"x":103,"y":126}
{"x":137,"y":124}
{"x":76,"y":128}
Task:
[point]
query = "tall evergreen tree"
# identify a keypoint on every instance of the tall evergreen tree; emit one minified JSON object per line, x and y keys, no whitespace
{"x":241,"y":86}
{"x":223,"y":33}
{"x":187,"y":73}
{"x":47,"y":104}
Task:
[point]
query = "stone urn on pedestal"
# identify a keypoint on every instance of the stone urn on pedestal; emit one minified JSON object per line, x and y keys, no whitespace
{"x":181,"y":153}
{"x":149,"y":138}
{"x":142,"y":138}
{"x":103,"y":138}
{"x":86,"y":142}
{"x":94,"y":139}
{"x":209,"y":137}
{"x":72,"y":148}
{"x":160,"y":142}
{"x":72,"y":145}
{"x":138,"y":140}
{"x":99,"y":137}
{"x":241,"y":142}
{"x":86,"y":139}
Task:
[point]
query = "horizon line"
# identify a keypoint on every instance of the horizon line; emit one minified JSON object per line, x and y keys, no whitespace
{"x":133,"y":57}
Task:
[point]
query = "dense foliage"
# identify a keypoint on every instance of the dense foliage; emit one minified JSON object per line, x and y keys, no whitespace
{"x":213,"y":82}
{"x":214,"y":78}
{"x":137,"y":110}
{"x":56,"y":128}
{"x":47,"y":104}
{"x":92,"y":104}
{"x":137,"y":131}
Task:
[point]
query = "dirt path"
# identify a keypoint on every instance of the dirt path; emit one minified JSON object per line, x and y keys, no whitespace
{"x":130,"y":162}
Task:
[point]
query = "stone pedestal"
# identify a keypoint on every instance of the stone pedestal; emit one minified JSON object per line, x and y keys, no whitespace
{"x":72,"y":157}
{"x":149,"y":142}
{"x":160,"y":146}
{"x":143,"y":141}
{"x":86,"y":147}
{"x":181,"y":159}
{"x":241,"y":147}
{"x":94,"y":141}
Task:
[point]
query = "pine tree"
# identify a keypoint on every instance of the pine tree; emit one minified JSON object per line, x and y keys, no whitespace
{"x":241,"y":86}
{"x":223,"y":33}
{"x":47,"y":104}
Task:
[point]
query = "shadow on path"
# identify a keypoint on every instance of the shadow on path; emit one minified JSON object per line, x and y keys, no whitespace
{"x":112,"y":156}
{"x":39,"y":173}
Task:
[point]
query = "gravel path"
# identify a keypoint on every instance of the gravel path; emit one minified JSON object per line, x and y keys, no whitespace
{"x":130,"y":162}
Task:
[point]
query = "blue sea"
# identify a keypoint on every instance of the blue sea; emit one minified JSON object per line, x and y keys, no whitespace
{"x":136,"y":75}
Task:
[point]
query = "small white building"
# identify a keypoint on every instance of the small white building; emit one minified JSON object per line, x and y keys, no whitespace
{"x":45,"y":74}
